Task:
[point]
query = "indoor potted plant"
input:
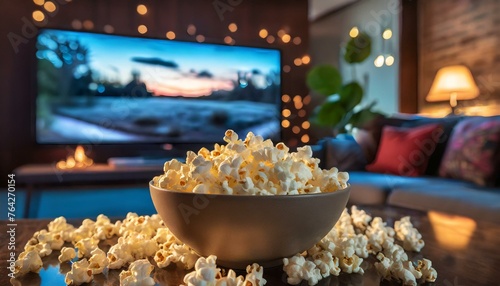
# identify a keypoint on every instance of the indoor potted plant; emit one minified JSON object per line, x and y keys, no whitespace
{"x":341,"y":108}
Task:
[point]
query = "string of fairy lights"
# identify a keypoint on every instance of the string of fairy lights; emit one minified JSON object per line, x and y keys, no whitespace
{"x":294,"y":114}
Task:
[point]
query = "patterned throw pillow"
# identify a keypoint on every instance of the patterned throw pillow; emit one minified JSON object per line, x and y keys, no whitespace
{"x":473,"y":151}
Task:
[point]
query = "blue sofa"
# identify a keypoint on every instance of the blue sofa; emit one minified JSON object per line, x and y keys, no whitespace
{"x":426,"y":193}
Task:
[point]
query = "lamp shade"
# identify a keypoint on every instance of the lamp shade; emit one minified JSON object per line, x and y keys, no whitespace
{"x":456,"y":80}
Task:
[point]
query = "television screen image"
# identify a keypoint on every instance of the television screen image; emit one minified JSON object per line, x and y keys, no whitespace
{"x":101,"y":88}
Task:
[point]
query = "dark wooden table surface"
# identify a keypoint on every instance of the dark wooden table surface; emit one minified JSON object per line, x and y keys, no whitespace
{"x":463,"y":251}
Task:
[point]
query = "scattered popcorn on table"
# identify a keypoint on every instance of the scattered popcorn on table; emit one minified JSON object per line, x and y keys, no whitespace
{"x":138,"y":274}
{"x":206,"y":273}
{"x":98,"y":261}
{"x":139,"y":237}
{"x":176,"y":253}
{"x":163,"y":235}
{"x":361,"y":245}
{"x":59,"y":225}
{"x":43,"y":249}
{"x":348,"y":260}
{"x":394,"y":252}
{"x":79,"y":274}
{"x":67,"y":254}
{"x":353,"y":238}
{"x":162,"y":258}
{"x":230,"y":280}
{"x":425,"y":267}
{"x":119,"y":255}
{"x":85,"y":246}
{"x":384,"y":266}
{"x":297,"y":268}
{"x":326,"y":263}
{"x":377,"y":233}
{"x":403,"y":274}
{"x":104,"y":228}
{"x":344,"y":225}
{"x":28,"y":261}
{"x":405,"y":232}
{"x":408,"y":265}
{"x":54,"y":240}
{"x":255,"y":275}
{"x":252,"y":166}
{"x":360,"y":218}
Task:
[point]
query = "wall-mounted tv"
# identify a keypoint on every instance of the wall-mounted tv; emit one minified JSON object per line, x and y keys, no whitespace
{"x":111,"y":89}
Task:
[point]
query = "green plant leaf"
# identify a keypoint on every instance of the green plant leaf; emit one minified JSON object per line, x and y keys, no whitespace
{"x":358,"y":49}
{"x":351,"y":95}
{"x":324,"y":79}
{"x":329,"y":113}
{"x":360,"y":118}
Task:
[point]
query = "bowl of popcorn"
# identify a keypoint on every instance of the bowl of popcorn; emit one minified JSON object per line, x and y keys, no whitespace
{"x":249,"y":200}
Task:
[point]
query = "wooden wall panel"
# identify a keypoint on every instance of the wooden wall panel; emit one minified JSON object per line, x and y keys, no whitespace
{"x":408,"y":63}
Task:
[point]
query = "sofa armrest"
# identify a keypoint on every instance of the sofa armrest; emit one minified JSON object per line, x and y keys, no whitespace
{"x":345,"y":154}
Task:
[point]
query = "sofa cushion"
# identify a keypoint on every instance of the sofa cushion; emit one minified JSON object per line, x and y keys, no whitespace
{"x":453,"y":197}
{"x":370,"y":188}
{"x":374,"y":188}
{"x":369,"y":134}
{"x":473,"y":152}
{"x":344,"y":154}
{"x":447,"y":124}
{"x":374,"y":131}
{"x":405,"y":151}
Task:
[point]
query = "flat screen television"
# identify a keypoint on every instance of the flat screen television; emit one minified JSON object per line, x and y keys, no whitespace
{"x":110,"y":89}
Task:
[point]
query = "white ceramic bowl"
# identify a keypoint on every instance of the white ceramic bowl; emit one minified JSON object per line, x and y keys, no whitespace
{"x":242,"y":229}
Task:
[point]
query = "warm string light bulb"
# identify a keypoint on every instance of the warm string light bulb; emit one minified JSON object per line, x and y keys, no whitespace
{"x":49,"y":7}
{"x":232,"y":27}
{"x":88,"y":25}
{"x":286,"y":112}
{"x":385,"y":57}
{"x":285,"y":98}
{"x":170,"y":35}
{"x":200,"y":38}
{"x":306,"y":59}
{"x":142,"y":9}
{"x":76,"y":24}
{"x":142,"y":29}
{"x":228,"y":40}
{"x":354,"y":32}
{"x":263,"y":33}
{"x":304,"y":138}
{"x":389,"y":60}
{"x":191,"y":30}
{"x":387,"y":34}
{"x":379,"y":61}
{"x":109,"y":29}
{"x":38,"y":16}
{"x":286,"y":38}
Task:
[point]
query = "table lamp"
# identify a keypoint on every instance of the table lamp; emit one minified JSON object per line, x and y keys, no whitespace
{"x":453,"y":83}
